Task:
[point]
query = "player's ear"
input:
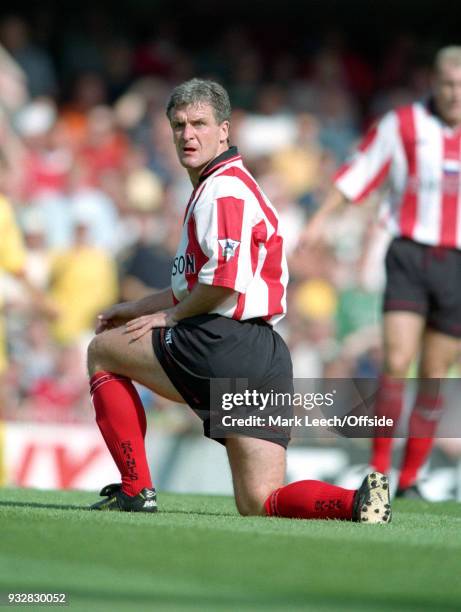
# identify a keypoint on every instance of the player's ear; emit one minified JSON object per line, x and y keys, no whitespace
{"x":224,"y":131}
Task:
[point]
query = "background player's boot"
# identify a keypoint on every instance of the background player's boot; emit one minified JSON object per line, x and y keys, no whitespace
{"x":116,"y":499}
{"x":372,"y":503}
{"x":409,"y":493}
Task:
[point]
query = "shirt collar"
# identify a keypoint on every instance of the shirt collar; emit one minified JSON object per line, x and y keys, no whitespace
{"x":231,"y":154}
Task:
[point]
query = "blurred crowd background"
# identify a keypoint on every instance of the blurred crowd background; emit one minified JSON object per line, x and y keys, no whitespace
{"x":87,"y":161}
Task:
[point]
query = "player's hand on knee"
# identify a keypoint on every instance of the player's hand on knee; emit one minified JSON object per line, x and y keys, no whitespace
{"x":142,"y":325}
{"x":116,"y":315}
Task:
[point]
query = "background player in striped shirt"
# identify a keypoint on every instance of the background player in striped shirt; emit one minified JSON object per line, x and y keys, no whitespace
{"x":228,"y":289}
{"x":417,"y":150}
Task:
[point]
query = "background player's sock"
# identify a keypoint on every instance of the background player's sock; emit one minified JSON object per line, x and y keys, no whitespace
{"x":121,"y":418}
{"x":311,"y":499}
{"x":389,"y":402}
{"x":422,"y":427}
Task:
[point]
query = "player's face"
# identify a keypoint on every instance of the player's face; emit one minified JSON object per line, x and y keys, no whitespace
{"x":447,"y":92}
{"x":198,"y":137}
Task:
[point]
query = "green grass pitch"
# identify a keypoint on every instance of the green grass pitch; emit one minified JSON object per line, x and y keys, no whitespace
{"x":198,"y":554}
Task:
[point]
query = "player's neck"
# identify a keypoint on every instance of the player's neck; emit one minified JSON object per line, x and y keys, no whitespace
{"x":196,"y":173}
{"x":454,"y":125}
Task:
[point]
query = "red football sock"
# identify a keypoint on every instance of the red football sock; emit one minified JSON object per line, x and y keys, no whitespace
{"x":121,"y":418}
{"x":422,"y":427}
{"x":389,"y":403}
{"x":311,"y":499}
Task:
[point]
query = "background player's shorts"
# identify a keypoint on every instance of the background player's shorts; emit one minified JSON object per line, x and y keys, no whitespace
{"x":210,"y":346}
{"x":425,"y":280}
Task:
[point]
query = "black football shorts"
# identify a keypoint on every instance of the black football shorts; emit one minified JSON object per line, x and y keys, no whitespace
{"x":425,"y":280}
{"x":207,"y":348}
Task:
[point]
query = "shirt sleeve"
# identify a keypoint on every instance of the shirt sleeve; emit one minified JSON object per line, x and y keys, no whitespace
{"x":369,"y":165}
{"x":12,"y":251}
{"x":223,"y":228}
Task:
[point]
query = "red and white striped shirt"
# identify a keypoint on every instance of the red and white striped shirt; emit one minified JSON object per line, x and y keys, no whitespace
{"x":420,"y":157}
{"x":231,"y":238}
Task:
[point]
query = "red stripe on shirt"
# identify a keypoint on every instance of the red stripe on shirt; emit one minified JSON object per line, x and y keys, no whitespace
{"x":271,"y":271}
{"x":342,"y":170}
{"x":238,"y":312}
{"x":258,"y":236}
{"x":379,"y":177}
{"x":253,"y":187}
{"x":375,"y":183}
{"x":365,"y":144}
{"x":193,"y":254}
{"x":450,"y":191}
{"x":409,"y":206}
{"x":230,"y":219}
{"x":369,"y":138}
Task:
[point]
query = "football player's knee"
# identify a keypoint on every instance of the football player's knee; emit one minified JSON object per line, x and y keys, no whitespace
{"x":95,"y":355}
{"x":397,"y":363}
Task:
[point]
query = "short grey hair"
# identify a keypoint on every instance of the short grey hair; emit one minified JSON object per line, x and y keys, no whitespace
{"x":197,"y":91}
{"x":449,"y":55}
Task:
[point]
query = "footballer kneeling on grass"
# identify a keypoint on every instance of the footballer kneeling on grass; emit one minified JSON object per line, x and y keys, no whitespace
{"x":228,"y":290}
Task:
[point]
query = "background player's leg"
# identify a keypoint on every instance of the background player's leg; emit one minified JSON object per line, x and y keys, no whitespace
{"x":439,"y":353}
{"x":112,"y":362}
{"x":258,"y":472}
{"x":402,"y":332}
{"x":402,"y":335}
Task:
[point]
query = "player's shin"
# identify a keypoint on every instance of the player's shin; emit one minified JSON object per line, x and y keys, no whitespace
{"x":389,"y":403}
{"x":121,"y":418}
{"x":422,"y":427}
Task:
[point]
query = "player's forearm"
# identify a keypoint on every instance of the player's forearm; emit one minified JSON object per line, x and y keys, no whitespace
{"x":334,"y":200}
{"x":162,"y":300}
{"x":201,"y":300}
{"x":314,"y":230}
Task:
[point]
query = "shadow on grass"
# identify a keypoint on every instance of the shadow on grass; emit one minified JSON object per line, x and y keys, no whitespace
{"x":18,"y":504}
